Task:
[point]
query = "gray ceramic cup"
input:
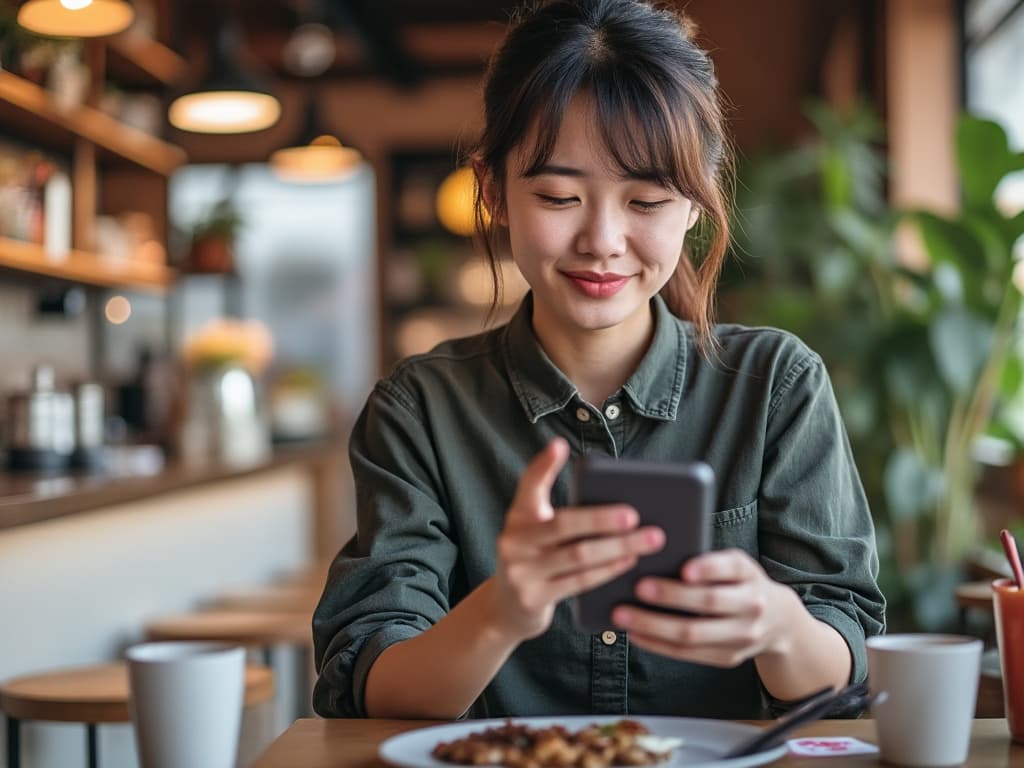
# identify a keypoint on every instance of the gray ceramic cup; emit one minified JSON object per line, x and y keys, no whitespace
{"x":931,"y":686}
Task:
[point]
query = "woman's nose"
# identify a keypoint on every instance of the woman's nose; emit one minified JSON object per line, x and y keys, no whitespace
{"x":602,"y":233}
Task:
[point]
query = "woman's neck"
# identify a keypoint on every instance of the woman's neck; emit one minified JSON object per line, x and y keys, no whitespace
{"x":597,"y":362}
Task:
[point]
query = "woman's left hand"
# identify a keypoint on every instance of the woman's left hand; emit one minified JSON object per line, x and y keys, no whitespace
{"x":742,"y":612}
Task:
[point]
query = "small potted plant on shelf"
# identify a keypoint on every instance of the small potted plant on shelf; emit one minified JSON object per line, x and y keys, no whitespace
{"x":213,"y":239}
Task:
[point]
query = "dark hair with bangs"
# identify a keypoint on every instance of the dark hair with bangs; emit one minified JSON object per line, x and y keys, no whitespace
{"x":656,"y":101}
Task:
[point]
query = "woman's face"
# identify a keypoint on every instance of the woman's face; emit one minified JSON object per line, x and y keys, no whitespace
{"x":594,"y":245}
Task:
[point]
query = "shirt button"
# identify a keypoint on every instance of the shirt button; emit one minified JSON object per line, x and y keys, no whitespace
{"x":612,"y":412}
{"x":608,"y":637}
{"x":582,"y":414}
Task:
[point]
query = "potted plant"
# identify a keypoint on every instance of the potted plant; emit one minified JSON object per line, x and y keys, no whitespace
{"x":949,"y":355}
{"x":919,"y":357}
{"x":213,"y":239}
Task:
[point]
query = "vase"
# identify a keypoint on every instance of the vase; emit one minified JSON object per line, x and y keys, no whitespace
{"x":224,"y":421}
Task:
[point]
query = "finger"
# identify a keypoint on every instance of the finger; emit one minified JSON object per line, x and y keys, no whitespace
{"x":684,"y":631}
{"x":571,"y":523}
{"x":718,"y":600}
{"x":581,"y":581}
{"x":724,"y":657}
{"x":591,"y":553}
{"x":534,"y":490}
{"x":721,"y":566}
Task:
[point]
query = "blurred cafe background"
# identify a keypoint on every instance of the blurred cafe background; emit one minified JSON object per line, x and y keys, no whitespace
{"x":197,"y":294}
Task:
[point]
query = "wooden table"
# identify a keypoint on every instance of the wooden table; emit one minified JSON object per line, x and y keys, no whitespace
{"x":353,"y":744}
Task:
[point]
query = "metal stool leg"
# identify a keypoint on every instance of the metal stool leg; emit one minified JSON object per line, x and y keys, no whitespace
{"x":91,"y":746}
{"x":13,"y":742}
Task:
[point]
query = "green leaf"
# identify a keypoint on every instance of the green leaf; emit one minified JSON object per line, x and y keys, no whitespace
{"x":961,"y":343}
{"x":1012,"y":378}
{"x":949,"y":241}
{"x":988,"y":230}
{"x":911,"y":487}
{"x":983,"y":158}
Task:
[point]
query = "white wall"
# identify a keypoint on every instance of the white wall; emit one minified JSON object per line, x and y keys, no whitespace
{"x":78,"y":590}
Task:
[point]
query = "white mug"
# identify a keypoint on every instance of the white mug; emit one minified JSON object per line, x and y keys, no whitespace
{"x":931,"y":686}
{"x":186,"y":702}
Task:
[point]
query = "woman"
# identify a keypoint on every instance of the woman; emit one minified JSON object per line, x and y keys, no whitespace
{"x":603,"y":147}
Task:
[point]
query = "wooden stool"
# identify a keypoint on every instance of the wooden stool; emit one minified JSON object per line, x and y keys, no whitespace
{"x":254,"y":629}
{"x":313,"y":574}
{"x":974,"y":594}
{"x":249,"y":628}
{"x":90,"y":695}
{"x":974,"y":598}
{"x":277,"y":598}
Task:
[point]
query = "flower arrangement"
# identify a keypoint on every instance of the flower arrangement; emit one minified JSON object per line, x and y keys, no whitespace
{"x":227,"y":341}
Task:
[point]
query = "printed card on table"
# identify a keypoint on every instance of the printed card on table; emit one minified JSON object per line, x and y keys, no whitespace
{"x":830,"y":745}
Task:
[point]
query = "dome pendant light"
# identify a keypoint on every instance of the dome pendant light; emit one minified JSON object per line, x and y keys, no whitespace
{"x":229,"y":100}
{"x":318,"y":158}
{"x":76,"y":18}
{"x":456,"y":200}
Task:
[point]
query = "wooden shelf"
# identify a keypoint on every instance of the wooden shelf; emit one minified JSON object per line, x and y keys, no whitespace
{"x":83,"y":267}
{"x":28,"y":109}
{"x":137,"y":60}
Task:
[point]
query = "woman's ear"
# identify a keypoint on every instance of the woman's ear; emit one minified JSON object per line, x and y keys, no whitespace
{"x":692,"y":218}
{"x":488,"y":190}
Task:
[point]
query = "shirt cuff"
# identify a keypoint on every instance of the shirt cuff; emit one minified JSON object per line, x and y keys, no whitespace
{"x":372,"y":648}
{"x":851,"y":631}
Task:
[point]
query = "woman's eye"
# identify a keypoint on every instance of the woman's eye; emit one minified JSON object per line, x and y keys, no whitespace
{"x":553,"y":200}
{"x":650,"y":205}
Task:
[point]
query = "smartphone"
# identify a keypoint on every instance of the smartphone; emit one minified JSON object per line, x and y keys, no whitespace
{"x":679,"y":498}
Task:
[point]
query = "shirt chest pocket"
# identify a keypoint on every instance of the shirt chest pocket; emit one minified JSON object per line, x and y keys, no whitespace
{"x":736,"y":527}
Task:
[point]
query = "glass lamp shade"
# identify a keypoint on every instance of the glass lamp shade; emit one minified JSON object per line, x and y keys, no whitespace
{"x":322,"y":160}
{"x":229,"y":100}
{"x":224,"y":111}
{"x":76,"y":18}
{"x":455,"y":202}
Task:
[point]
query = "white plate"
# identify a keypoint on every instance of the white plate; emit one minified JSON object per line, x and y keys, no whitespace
{"x":704,"y":741}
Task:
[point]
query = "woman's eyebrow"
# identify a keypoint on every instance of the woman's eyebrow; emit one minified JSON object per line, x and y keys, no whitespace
{"x":550,"y":169}
{"x":556,"y":170}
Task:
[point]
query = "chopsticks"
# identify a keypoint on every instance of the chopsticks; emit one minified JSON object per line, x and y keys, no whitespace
{"x":855,"y":697}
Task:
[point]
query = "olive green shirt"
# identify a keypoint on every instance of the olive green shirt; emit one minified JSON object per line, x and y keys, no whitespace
{"x":439,"y":448}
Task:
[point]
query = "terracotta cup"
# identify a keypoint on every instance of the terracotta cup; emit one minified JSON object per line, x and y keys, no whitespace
{"x":1009,"y":609}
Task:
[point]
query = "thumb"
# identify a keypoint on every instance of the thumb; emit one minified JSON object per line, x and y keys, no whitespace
{"x":533,"y":495}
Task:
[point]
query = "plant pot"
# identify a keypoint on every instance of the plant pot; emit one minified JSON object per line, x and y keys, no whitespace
{"x":211,"y":255}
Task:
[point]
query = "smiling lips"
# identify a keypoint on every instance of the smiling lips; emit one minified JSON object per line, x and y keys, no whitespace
{"x":597,"y":285}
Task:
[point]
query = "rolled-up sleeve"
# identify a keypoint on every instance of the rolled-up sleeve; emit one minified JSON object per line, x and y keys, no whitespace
{"x":815,"y":532}
{"x":391,"y":581}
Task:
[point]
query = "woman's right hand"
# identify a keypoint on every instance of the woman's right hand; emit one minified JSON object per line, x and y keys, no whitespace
{"x":546,"y":555}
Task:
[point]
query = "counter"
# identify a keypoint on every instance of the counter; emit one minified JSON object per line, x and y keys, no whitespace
{"x":31,"y":498}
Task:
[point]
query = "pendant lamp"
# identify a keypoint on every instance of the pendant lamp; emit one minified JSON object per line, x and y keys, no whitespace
{"x":318,"y":156}
{"x":456,"y":200}
{"x":229,"y":99}
{"x":76,"y":18}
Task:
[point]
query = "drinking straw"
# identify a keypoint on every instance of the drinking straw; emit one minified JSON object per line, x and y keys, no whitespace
{"x":1010,"y":547}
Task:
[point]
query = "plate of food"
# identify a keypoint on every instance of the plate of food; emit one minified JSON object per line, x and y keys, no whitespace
{"x":577,"y":741}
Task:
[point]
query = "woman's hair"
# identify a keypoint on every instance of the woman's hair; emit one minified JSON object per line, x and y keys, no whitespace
{"x":655,"y":97}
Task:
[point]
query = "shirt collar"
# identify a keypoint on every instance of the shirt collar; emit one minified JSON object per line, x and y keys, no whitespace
{"x":653,"y":390}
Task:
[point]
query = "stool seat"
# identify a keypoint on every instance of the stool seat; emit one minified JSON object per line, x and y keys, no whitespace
{"x":249,"y":628}
{"x":314,"y":573}
{"x":279,"y":598}
{"x":974,"y":594}
{"x":96,"y":694}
